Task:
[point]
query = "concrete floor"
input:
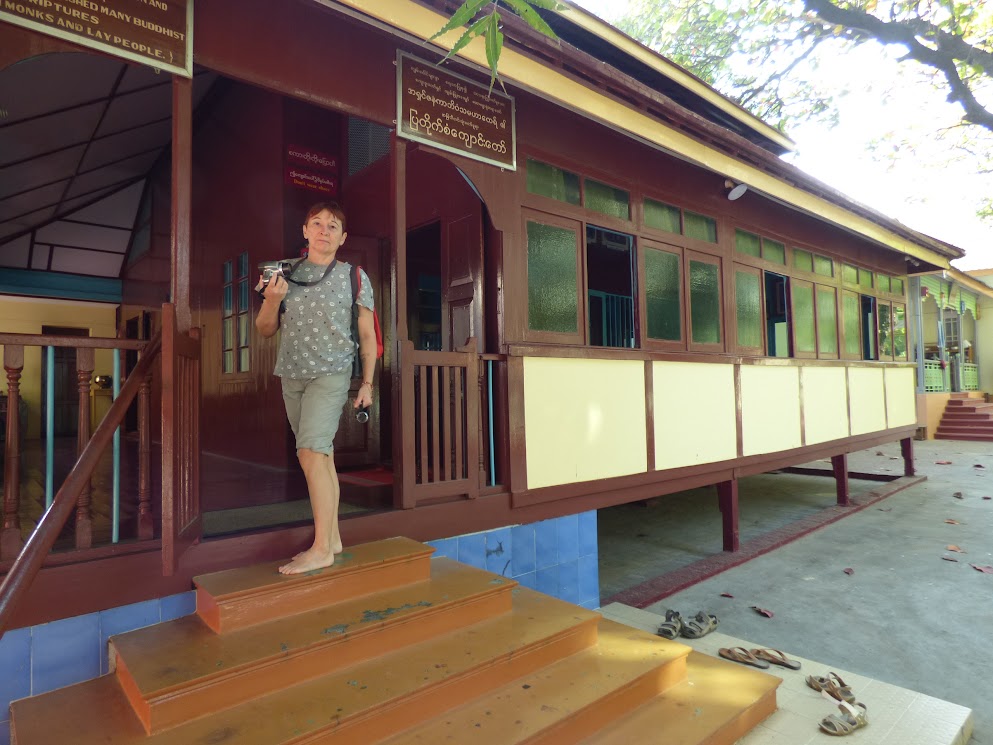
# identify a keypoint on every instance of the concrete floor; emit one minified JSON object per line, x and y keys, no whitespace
{"x":903,"y":616}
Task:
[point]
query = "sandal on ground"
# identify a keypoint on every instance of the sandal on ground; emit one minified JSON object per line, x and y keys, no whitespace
{"x":850,"y":719}
{"x":700,"y":625}
{"x":775,"y":657}
{"x":742,"y":655}
{"x":832,"y":685}
{"x":671,"y":626}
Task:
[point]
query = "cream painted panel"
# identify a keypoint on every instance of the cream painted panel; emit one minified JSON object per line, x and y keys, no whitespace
{"x":825,"y":404}
{"x":584,"y":419}
{"x":867,"y":401}
{"x":695,"y":413}
{"x":901,"y":397}
{"x":770,"y":409}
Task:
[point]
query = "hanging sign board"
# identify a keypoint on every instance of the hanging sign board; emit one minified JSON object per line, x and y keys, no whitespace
{"x":450,"y":112}
{"x":152,"y":32}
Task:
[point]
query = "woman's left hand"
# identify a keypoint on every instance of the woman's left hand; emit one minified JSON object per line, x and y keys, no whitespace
{"x":364,"y":397}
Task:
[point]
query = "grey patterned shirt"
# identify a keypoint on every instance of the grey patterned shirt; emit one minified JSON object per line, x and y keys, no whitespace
{"x":316,"y":328}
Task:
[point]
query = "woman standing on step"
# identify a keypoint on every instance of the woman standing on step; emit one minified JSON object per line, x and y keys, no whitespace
{"x":316,"y":351}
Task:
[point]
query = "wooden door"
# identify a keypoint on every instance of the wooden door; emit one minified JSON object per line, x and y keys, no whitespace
{"x":462,"y":288}
{"x":182,"y":519}
{"x":358,"y":444}
{"x":65,"y":408}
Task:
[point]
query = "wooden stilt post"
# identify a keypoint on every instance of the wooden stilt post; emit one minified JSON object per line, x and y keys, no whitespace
{"x":907,"y":449}
{"x":840,"y":465}
{"x":727,"y":498}
{"x":10,"y":535}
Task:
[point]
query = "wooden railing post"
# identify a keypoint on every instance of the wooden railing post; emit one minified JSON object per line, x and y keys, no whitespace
{"x":84,"y":513}
{"x":10,"y":538}
{"x":146,"y":527}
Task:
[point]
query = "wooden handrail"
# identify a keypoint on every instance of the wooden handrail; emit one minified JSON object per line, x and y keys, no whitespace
{"x":79,"y":342}
{"x":29,"y":561}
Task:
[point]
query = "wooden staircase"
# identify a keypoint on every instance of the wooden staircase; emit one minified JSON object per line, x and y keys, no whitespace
{"x":966,"y":419}
{"x":390,"y":646}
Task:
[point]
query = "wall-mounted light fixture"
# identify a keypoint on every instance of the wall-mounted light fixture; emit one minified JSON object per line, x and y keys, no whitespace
{"x":912,"y":261}
{"x":734,"y":191}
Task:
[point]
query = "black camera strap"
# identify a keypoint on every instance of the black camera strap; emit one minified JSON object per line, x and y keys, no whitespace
{"x":289,"y":277}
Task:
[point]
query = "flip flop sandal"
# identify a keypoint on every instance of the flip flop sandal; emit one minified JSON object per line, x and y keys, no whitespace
{"x":775,"y":657}
{"x":832,"y":685}
{"x":671,"y":626}
{"x":847,"y":722}
{"x":700,"y":625}
{"x":742,"y":655}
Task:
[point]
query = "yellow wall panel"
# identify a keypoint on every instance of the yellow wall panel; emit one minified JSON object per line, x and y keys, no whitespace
{"x":27,"y":316}
{"x":770,"y":408}
{"x":867,"y":401}
{"x":825,"y":404}
{"x":695,"y":413}
{"x":584,"y":419}
{"x":901,"y":397}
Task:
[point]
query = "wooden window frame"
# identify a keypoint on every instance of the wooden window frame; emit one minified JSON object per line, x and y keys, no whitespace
{"x":843,"y":337}
{"x":796,"y":284}
{"x":579,"y":227}
{"x":717,"y":261}
{"x":236,"y":312}
{"x":906,"y":333}
{"x":645,"y":341}
{"x":879,"y":334}
{"x":761,"y":350}
{"x":837,"y":322}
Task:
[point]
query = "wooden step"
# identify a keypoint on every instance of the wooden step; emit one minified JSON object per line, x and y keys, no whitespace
{"x":181,"y":669}
{"x":717,"y":704}
{"x":363,"y":703}
{"x":242,"y":597}
{"x":967,"y":416}
{"x":970,"y":437}
{"x":562,"y":703}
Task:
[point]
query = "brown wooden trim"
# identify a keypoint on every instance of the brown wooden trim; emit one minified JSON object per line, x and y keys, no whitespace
{"x":733,"y":305}
{"x":718,"y":261}
{"x":399,"y":387}
{"x":795,"y":284}
{"x":516,"y":420}
{"x":182,"y":190}
{"x":545,"y":218}
{"x":646,"y":342}
{"x":842,"y":335}
{"x":79,"y":342}
{"x":650,"y":414}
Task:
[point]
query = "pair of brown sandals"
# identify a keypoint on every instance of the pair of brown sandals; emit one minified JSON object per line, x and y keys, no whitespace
{"x":693,"y":628}
{"x":853,"y":714}
{"x":760,"y":658}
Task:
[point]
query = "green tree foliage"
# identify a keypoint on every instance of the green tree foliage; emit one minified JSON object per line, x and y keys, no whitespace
{"x":483,"y":19}
{"x":766,"y":55}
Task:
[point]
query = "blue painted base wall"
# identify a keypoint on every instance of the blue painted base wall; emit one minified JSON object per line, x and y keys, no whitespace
{"x":557,"y":557}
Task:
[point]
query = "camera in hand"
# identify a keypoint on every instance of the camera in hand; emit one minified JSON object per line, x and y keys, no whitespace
{"x":362,"y":415}
{"x":270,"y":269}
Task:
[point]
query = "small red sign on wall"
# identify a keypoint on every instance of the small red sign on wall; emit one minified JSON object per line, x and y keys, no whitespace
{"x":307,"y":156}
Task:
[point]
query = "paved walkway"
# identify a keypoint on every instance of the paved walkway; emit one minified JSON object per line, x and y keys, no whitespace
{"x":903,"y":615}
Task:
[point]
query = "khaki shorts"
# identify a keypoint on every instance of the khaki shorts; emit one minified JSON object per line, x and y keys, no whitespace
{"x":314,"y":408}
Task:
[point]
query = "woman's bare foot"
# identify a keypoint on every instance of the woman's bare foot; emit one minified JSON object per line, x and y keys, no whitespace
{"x":308,"y":561}
{"x":337,"y":549}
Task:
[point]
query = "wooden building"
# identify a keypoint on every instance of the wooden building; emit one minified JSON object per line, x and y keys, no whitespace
{"x":601,"y":286}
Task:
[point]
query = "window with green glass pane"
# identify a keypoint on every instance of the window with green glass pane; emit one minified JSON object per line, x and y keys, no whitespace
{"x":662,"y":295}
{"x":243,"y":265}
{"x":885,"y":330}
{"x":849,"y":274}
{"x":700,"y":227}
{"x":899,"y":332}
{"x":865,"y":279}
{"x":748,"y":305}
{"x":607,"y":200}
{"x":803,"y":318}
{"x":662,"y":216}
{"x":552,"y":279}
{"x":227,"y":271}
{"x":773,"y":251}
{"x":827,"y":321}
{"x":705,"y":302}
{"x":896,"y":286}
{"x":851,"y":320}
{"x":747,"y":243}
{"x":548,"y":181}
{"x":883,"y":283}
{"x":803,"y":260}
{"x":823,"y":266}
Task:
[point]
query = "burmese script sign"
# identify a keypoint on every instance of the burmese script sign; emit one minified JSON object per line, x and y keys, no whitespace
{"x":152,"y":32}
{"x":311,"y":169}
{"x":453,"y":113}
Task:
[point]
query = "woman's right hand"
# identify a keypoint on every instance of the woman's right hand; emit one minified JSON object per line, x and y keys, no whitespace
{"x":276,"y":289}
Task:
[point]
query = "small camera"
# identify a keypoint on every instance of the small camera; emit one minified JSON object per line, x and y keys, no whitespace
{"x":362,"y":415}
{"x":270,"y":269}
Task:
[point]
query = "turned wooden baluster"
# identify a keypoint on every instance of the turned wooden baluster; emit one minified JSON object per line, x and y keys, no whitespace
{"x":146,"y":527}
{"x":10,"y":537}
{"x":84,"y":514}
